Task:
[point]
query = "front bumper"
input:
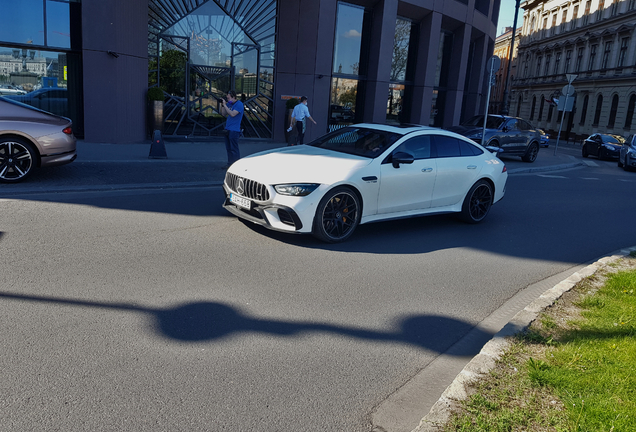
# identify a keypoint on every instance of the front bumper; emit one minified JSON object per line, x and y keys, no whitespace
{"x":273,"y":216}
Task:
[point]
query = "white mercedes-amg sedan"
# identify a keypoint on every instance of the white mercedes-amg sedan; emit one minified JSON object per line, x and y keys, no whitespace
{"x":365,"y":173}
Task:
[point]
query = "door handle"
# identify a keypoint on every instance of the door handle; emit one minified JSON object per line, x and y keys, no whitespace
{"x":472,"y":167}
{"x":427,"y":169}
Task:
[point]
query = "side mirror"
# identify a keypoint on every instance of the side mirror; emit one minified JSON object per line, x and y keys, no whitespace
{"x":494,"y":150}
{"x":401,"y":158}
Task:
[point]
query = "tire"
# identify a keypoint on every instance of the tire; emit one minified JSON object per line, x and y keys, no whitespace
{"x":18,"y":158}
{"x":620,"y":164}
{"x":337,"y":215}
{"x":626,"y":165}
{"x":478,"y":202}
{"x":531,"y":153}
{"x":584,"y":152}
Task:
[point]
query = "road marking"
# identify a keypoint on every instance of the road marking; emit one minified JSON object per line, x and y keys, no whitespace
{"x":590,"y":178}
{"x":551,"y":176}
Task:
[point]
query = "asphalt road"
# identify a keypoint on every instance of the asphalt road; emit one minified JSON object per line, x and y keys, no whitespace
{"x":155,"y":310}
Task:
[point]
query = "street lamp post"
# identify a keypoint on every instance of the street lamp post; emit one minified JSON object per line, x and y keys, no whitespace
{"x":506,"y":103}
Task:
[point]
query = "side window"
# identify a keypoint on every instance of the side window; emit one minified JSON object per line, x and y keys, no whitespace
{"x":467,"y":149}
{"x":524,"y":125}
{"x":419,"y":147}
{"x":446,"y":146}
{"x":512,"y":125}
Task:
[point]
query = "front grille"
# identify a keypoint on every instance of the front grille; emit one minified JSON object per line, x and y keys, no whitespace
{"x":247,"y":188}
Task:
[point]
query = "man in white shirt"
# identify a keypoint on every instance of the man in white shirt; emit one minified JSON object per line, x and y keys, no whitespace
{"x":299,"y":116}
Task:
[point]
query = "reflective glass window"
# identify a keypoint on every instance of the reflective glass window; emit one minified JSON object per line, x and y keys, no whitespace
{"x":348,"y":39}
{"x":344,"y":96}
{"x":400,"y":49}
{"x":58,"y":24}
{"x":23,"y":22}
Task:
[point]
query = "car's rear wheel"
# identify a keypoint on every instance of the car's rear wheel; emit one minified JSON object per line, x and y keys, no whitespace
{"x":626,"y":165}
{"x":17,"y":159}
{"x":478,"y":202}
{"x":584,"y":152}
{"x":620,"y":164}
{"x":531,"y":153}
{"x":337,"y":215}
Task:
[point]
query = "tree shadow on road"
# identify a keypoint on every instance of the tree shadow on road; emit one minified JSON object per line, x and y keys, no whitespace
{"x":209,"y":321}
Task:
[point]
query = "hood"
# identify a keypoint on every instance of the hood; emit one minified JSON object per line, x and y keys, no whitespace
{"x":297,"y":164}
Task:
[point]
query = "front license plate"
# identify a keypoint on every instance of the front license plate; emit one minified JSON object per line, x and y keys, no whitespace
{"x":240,"y":201}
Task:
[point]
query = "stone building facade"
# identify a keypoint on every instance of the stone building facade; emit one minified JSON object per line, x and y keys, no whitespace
{"x":592,"y":39}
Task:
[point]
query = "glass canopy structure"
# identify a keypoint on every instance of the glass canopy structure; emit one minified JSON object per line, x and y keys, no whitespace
{"x":200,"y":49}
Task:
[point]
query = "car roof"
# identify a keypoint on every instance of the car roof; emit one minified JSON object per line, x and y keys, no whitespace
{"x":402,"y":129}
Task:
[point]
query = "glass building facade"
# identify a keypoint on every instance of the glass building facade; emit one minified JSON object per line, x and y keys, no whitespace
{"x":357,"y":61}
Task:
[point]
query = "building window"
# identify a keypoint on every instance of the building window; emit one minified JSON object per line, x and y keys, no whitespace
{"x":519,"y":106}
{"x":525,"y":66}
{"x":590,"y":65}
{"x":550,"y":111}
{"x":568,"y":60}
{"x":584,"y":110}
{"x":613,"y":109}
{"x":630,"y":112}
{"x":541,"y":108}
{"x":548,"y":60}
{"x":349,"y":65}
{"x":597,"y":113}
{"x":538,"y":70}
{"x":632,"y":5}
{"x":554,"y":23}
{"x":599,"y":11}
{"x":534,"y":105}
{"x":614,"y":7}
{"x":579,"y":59}
{"x":444,"y":63}
{"x":395,"y":107}
{"x":575,"y":15}
{"x":564,"y":16}
{"x":586,"y":15}
{"x":606,"y":54}
{"x":623,"y":52}
{"x":557,"y":61}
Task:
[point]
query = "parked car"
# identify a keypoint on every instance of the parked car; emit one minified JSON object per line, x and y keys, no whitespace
{"x":341,"y":114}
{"x":603,"y":146}
{"x":627,"y":154}
{"x":31,"y":138}
{"x":515,"y":136}
{"x":51,"y":99}
{"x":364,"y":173}
{"x":8,"y":89}
{"x":545,"y":138}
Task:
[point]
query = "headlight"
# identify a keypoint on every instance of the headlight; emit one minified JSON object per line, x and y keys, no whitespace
{"x":300,"y":189}
{"x":631,"y":153}
{"x":474,"y":135}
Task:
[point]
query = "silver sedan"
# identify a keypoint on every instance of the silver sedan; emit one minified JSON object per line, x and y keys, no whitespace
{"x":31,"y":138}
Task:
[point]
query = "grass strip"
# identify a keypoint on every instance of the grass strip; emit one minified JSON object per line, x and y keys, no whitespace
{"x":573,"y":370}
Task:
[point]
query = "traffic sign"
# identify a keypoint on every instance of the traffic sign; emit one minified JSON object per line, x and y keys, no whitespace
{"x":568,"y":90}
{"x":494,"y":63}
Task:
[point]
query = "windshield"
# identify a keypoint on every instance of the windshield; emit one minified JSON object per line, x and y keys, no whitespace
{"x":612,"y":139}
{"x":357,"y":141}
{"x":493,"y":122}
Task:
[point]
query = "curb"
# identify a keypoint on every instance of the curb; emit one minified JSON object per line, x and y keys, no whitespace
{"x":483,"y":362}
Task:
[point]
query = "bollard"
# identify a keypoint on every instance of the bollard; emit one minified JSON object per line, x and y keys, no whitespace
{"x":157,"y":148}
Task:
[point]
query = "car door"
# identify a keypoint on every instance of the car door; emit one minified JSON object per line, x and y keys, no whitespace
{"x":513,"y":139}
{"x":409,"y":186}
{"x":458,"y":167}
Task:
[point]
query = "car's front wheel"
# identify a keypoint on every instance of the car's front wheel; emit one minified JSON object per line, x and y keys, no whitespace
{"x":531,"y":153}
{"x":620,"y":164}
{"x":478,"y":202}
{"x":17,"y":159}
{"x":337,"y":215}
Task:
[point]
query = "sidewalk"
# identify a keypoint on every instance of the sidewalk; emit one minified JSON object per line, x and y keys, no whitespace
{"x":194,"y":164}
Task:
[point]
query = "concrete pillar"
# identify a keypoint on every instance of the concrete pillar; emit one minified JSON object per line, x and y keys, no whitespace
{"x":380,"y":55}
{"x":115,"y":85}
{"x":425,"y":68}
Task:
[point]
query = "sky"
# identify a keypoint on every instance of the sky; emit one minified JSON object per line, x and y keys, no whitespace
{"x":507,"y":16}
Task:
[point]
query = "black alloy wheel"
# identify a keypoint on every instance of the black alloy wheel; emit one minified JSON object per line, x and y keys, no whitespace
{"x":620,"y":164}
{"x":531,"y":153}
{"x":337,"y":215}
{"x":584,"y":152}
{"x":17,"y":159}
{"x":478,"y":202}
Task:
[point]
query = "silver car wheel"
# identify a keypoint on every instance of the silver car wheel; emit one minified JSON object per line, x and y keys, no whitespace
{"x":17,"y":159}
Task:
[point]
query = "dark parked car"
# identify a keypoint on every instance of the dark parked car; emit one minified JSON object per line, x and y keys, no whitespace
{"x":515,"y":136}
{"x":32,"y":138}
{"x":627,"y":154}
{"x":603,"y":146}
{"x":51,"y":99}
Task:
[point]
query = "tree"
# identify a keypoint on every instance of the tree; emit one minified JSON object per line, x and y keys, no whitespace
{"x":400,"y":50}
{"x":172,"y":70}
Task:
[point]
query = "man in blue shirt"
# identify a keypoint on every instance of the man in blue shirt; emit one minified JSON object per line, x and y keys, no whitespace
{"x":300,"y":113}
{"x":232,"y":109}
